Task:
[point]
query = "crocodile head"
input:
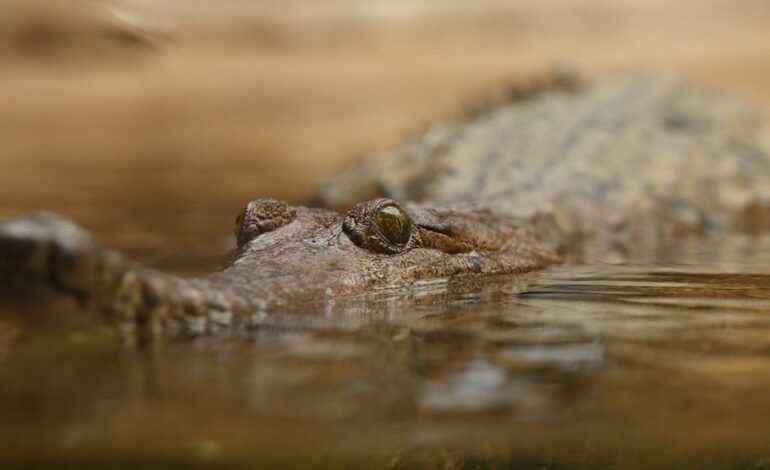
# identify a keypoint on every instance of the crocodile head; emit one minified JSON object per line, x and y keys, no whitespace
{"x":287,"y":252}
{"x":284,"y":255}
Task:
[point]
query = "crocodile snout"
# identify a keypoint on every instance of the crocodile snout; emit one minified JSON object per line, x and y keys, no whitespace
{"x":47,"y":248}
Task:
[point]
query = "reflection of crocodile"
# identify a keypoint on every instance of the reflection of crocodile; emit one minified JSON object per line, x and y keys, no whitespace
{"x":619,"y":166}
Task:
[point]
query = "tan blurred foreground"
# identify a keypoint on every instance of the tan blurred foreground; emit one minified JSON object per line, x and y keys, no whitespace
{"x":153,"y":121}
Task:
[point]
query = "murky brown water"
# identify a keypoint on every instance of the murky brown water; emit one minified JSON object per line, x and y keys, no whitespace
{"x":665,"y":362}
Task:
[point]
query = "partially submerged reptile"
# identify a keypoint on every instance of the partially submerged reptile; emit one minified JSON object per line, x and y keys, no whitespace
{"x":617,"y":166}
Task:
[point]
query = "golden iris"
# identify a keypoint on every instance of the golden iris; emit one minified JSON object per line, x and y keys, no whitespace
{"x":394,"y":225}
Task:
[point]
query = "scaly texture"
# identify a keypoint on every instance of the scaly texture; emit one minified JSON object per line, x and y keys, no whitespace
{"x":628,"y":163}
{"x":603,"y":169}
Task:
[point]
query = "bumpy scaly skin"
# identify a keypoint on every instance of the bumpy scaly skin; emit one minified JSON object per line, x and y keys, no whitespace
{"x":620,"y":165}
{"x":626,"y":164}
{"x":309,"y":257}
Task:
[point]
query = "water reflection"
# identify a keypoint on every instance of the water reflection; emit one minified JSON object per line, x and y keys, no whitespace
{"x":641,"y":364}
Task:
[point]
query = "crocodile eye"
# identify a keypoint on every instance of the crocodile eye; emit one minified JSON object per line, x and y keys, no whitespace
{"x":380,"y":225}
{"x":394,"y":225}
{"x":260,"y":216}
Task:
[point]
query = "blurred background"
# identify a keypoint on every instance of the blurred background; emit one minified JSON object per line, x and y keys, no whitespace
{"x":152,"y":122}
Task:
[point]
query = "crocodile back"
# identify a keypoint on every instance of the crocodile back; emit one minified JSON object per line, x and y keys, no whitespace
{"x":632,"y":161}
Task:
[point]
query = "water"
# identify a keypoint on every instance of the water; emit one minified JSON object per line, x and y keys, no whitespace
{"x":643,"y":364}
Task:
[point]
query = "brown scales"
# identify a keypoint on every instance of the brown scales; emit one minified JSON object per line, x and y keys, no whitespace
{"x":613,"y":167}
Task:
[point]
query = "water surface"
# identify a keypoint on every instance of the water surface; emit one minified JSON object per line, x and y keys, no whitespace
{"x":654,"y":362}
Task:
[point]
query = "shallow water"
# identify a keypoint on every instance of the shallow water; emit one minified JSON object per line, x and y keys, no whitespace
{"x":661,"y":362}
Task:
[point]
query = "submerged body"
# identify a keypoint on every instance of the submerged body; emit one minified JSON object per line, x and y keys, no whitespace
{"x":601,"y":170}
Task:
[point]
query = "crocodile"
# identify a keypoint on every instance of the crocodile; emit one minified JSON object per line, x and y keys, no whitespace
{"x":571,"y":169}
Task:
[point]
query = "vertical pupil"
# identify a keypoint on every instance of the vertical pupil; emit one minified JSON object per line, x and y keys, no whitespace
{"x":394,"y":224}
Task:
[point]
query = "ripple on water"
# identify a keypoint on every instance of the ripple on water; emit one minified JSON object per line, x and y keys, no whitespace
{"x":603,"y":362}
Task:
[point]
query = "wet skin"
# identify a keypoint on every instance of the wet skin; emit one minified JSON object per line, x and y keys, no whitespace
{"x":284,"y":255}
{"x":594,"y":171}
